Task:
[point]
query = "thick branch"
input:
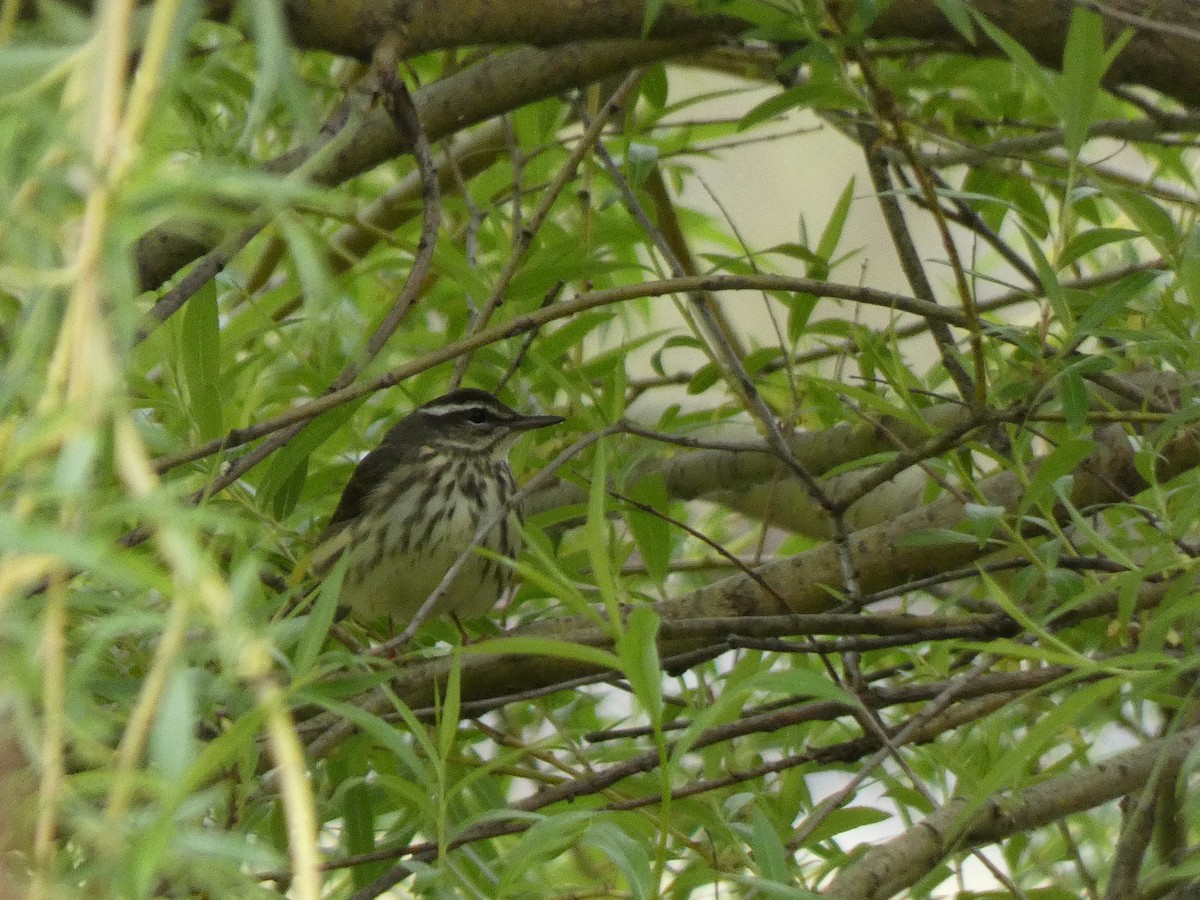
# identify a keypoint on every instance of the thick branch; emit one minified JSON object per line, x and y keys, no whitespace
{"x":496,"y":85}
{"x":964,"y":823}
{"x":1163,"y":54}
{"x":352,"y":27}
{"x":810,"y":581}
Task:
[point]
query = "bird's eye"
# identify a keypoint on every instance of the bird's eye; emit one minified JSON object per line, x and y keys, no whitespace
{"x":477,"y":416}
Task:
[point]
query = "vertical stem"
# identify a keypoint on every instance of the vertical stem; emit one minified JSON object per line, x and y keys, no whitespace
{"x":298,"y":807}
{"x":54,"y":668}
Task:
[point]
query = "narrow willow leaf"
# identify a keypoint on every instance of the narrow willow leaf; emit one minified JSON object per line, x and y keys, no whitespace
{"x":173,"y":739}
{"x":1082,"y":69}
{"x":802,"y":683}
{"x":529,"y":646}
{"x":318,"y":621}
{"x":637,"y":647}
{"x":832,"y":235}
{"x":1060,"y":461}
{"x":651,"y":533}
{"x":627,"y":854}
{"x":958,"y":14}
{"x":285,"y":461}
{"x":358,"y":835}
{"x":200,"y":355}
{"x":544,"y":841}
{"x":447,"y":729}
{"x":597,"y":532}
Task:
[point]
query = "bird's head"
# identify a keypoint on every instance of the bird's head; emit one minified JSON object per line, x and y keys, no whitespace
{"x":472,"y":421}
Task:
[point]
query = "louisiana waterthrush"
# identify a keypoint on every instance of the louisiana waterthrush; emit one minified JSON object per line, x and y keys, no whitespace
{"x":415,"y":503}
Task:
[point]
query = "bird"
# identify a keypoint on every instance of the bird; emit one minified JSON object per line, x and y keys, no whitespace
{"x":414,"y":504}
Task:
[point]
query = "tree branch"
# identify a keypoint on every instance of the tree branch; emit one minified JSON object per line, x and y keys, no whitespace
{"x":963,"y":823}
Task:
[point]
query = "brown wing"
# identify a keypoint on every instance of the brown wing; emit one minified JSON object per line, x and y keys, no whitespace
{"x":396,"y":448}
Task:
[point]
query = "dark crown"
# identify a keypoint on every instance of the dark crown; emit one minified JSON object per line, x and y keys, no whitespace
{"x":470,"y":416}
{"x":468,"y":405}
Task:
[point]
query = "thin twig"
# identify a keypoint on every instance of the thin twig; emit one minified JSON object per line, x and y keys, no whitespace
{"x":566,"y":309}
{"x":524,"y":240}
{"x":405,"y":116}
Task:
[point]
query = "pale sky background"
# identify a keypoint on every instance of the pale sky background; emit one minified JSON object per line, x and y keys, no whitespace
{"x":765,"y":188}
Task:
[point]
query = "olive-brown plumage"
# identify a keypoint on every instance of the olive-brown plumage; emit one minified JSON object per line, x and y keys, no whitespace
{"x":415,"y":503}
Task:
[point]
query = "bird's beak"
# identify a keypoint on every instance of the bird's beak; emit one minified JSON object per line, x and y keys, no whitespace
{"x":528,"y":423}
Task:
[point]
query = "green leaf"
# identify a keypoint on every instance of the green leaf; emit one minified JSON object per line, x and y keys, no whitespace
{"x":200,"y":356}
{"x":358,"y":835}
{"x":679,"y":340}
{"x":848,"y":818}
{"x":1078,"y":704}
{"x":173,"y":739}
{"x":1083,"y":67}
{"x":802,"y":683}
{"x":1151,"y":220}
{"x":627,"y":854}
{"x":1024,"y":62}
{"x":778,"y":104}
{"x":1074,"y":401}
{"x":958,"y":14}
{"x":651,"y":533}
{"x":832,"y":235}
{"x":1189,"y":266}
{"x":320,"y":618}
{"x":983,"y":519}
{"x":275,"y":66}
{"x":286,"y":460}
{"x":1115,"y":300}
{"x":650,"y":15}
{"x":800,"y":309}
{"x":757,"y":887}
{"x":770,"y":856}
{"x":234,"y":742}
{"x":1049,"y":279}
{"x":393,"y":738}
{"x":637,"y":647}
{"x":1062,"y":460}
{"x":640,"y":160}
{"x":75,"y":466}
{"x":704,"y":378}
{"x":448,"y":715}
{"x":530,"y":646}
{"x":285,"y":498}
{"x":1090,"y":240}
{"x":596,"y":529}
{"x":545,"y":840}
{"x":726,"y":707}
{"x":654,"y":86}
{"x":308,"y":251}
{"x":24,"y":66}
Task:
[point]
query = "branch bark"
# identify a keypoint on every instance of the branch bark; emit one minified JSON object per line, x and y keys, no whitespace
{"x":965,"y":822}
{"x":351,"y":27}
{"x":810,"y":581}
{"x":1162,"y":54}
{"x":496,"y":85}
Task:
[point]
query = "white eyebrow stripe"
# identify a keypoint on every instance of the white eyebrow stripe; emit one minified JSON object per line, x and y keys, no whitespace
{"x":449,"y":409}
